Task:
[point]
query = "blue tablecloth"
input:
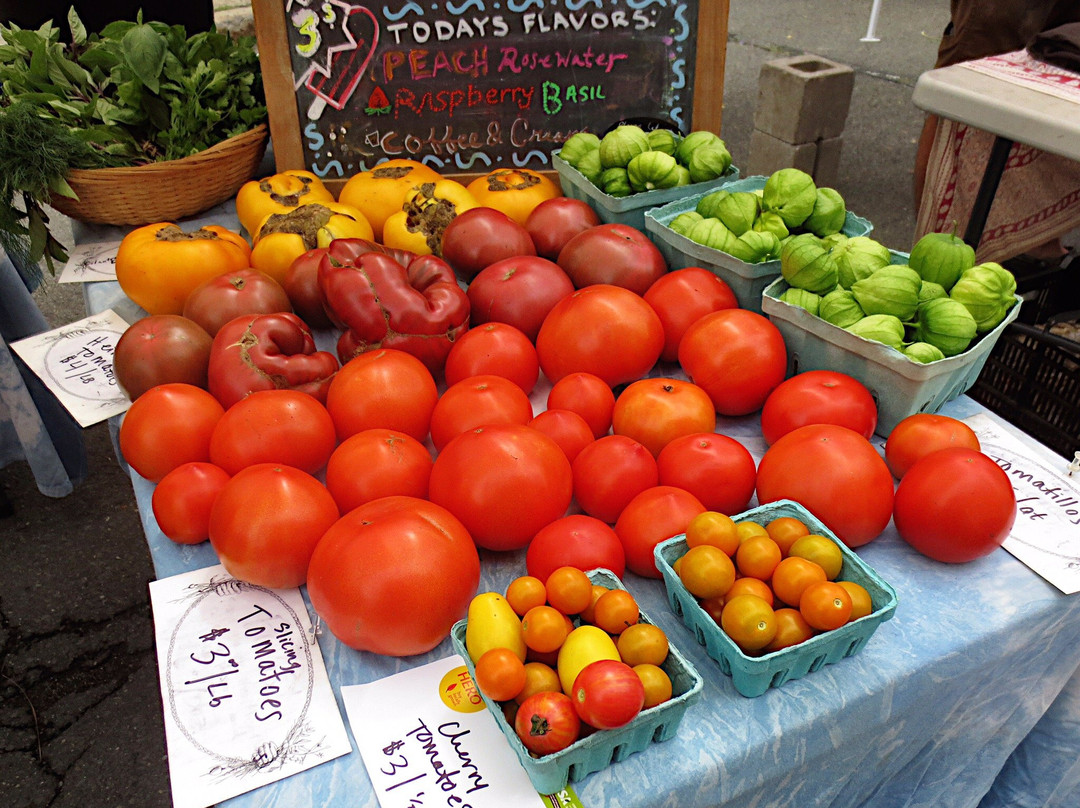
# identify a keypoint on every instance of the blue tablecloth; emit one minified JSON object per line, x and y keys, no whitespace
{"x":969,"y":696}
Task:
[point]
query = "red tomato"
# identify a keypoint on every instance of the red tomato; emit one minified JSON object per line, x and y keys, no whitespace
{"x":517,"y":291}
{"x":818,"y":397}
{"x":274,"y":426}
{"x":478,"y":401}
{"x":566,"y":428}
{"x":393,"y":576}
{"x":716,"y":469}
{"x":232,"y":294}
{"x":654,"y":515}
{"x":586,"y":394}
{"x":613,"y":254}
{"x":922,"y":433}
{"x":684,"y":296}
{"x":547,"y":722}
{"x":555,"y":221}
{"x":610,"y":472}
{"x":159,"y":349}
{"x":604,"y":330}
{"x":167,"y":426}
{"x":386,"y":388}
{"x":836,"y":474}
{"x":266,"y":522}
{"x":504,"y":482}
{"x":655,"y":411}
{"x":608,"y":694}
{"x":377,"y":463}
{"x":737,"y":356}
{"x":578,"y":541}
{"x":182,"y":501}
{"x":479,"y":237}
{"x":301,"y":284}
{"x":955,"y":505}
{"x":497,"y":349}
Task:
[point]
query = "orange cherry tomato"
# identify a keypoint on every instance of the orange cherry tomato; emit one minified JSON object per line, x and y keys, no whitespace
{"x":825,"y":605}
{"x":791,"y":629}
{"x":569,"y":590}
{"x":706,"y":571}
{"x":524,"y":592}
{"x":749,"y":622}
{"x":757,"y":557}
{"x":784,"y":530}
{"x":615,"y":611}
{"x":791,"y":577}
{"x":861,"y":604}
{"x":500,"y":674}
{"x":544,"y":628}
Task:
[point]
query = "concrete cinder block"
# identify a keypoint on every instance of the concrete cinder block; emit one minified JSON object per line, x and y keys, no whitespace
{"x":804,"y":98}
{"x":827,"y":162}
{"x":769,"y":154}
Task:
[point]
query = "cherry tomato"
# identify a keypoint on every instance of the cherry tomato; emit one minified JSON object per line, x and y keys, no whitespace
{"x":182,"y":501}
{"x":615,"y":254}
{"x":615,"y":611}
{"x":387,"y":389}
{"x":749,"y":621}
{"x":610,"y":472}
{"x":656,"y":411}
{"x":518,"y":291}
{"x":500,"y":674}
{"x":757,"y":557}
{"x":547,"y":722}
{"x":479,"y":237}
{"x":825,"y":605}
{"x":716,"y":469}
{"x":495,"y":349}
{"x":605,"y":330}
{"x":861,"y":602}
{"x":822,"y":550}
{"x":377,"y":463}
{"x":589,"y":396}
{"x":656,"y":682}
{"x":524,"y":592}
{"x":681,"y":298}
{"x":713,"y":528}
{"x":791,"y":629}
{"x":266,"y":522}
{"x":167,"y":426}
{"x":608,"y":694}
{"x":656,"y":514}
{"x":575,"y":540}
{"x":919,"y":434}
{"x":394,"y":575}
{"x":791,"y":577}
{"x":706,"y":571}
{"x":955,"y":505}
{"x":786,"y":530}
{"x":818,"y":397}
{"x":544,"y":628}
{"x":566,"y":428}
{"x":160,"y":349}
{"x":478,"y":401}
{"x":643,"y":644}
{"x":242,"y":291}
{"x":737,"y":356}
{"x":836,"y":474}
{"x":274,"y":426}
{"x":569,"y":589}
{"x":555,"y":221}
{"x":504,"y":482}
{"x":539,"y":678}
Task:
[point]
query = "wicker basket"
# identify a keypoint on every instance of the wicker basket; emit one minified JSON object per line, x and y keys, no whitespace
{"x":164,"y":191}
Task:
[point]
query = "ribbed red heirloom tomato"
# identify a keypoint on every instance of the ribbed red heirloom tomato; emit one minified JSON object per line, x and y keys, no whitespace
{"x":737,"y":356}
{"x":394,"y":575}
{"x":684,"y":296}
{"x":818,"y":397}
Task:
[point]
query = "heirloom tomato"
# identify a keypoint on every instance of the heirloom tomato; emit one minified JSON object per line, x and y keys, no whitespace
{"x":586,"y":394}
{"x":715,"y":468}
{"x":610,"y":472}
{"x":386,"y":388}
{"x":922,"y":433}
{"x":481,"y":236}
{"x":497,"y":349}
{"x":504,"y":482}
{"x":818,"y":397}
{"x":518,"y":291}
{"x":836,"y":474}
{"x":274,"y":426}
{"x":301,"y":284}
{"x":608,"y":694}
{"x":955,"y":505}
{"x":605,"y":330}
{"x":167,"y":426}
{"x":547,"y":722}
{"x":656,"y":514}
{"x":231,"y":294}
{"x":393,"y":576}
{"x":380,"y":192}
{"x":377,"y":463}
{"x":161,"y":348}
{"x":613,"y":254}
{"x":266,"y":521}
{"x":277,"y":193}
{"x":576,"y":540}
{"x":555,"y":221}
{"x":566,"y":428}
{"x":737,"y":356}
{"x":514,"y":191}
{"x":182,"y":501}
{"x":684,"y":296}
{"x":655,"y":411}
{"x":478,"y":401}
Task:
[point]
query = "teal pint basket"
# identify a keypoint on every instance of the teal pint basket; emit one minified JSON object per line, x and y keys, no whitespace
{"x":628,"y":210}
{"x":747,"y":281}
{"x":550,"y":773}
{"x":754,"y":675}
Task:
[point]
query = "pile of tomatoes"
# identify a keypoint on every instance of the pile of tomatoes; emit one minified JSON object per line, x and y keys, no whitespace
{"x":566,"y":657}
{"x":768,"y":586}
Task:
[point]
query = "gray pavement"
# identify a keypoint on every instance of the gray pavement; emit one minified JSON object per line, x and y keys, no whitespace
{"x":80,"y":712}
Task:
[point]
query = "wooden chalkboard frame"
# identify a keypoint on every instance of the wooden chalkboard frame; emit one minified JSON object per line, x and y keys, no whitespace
{"x":711,"y":33}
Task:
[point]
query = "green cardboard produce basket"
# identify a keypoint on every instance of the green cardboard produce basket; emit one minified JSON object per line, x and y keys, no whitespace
{"x":747,"y":281}
{"x":629,"y":210}
{"x":551,"y":773}
{"x":754,"y":675}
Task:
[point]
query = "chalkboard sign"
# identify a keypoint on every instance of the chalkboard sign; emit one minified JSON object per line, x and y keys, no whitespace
{"x":473,"y":85}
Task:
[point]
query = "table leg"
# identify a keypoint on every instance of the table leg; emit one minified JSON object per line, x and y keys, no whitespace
{"x":995,"y":167}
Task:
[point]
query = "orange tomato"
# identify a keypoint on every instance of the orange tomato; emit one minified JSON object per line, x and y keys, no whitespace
{"x":791,"y":629}
{"x":712,"y":527}
{"x":861,"y":604}
{"x":749,"y":621}
{"x":615,"y":611}
{"x":514,"y":191}
{"x":539,"y":678}
{"x":500,"y":674}
{"x":657,"y":684}
{"x":821,"y":550}
{"x":525,"y":592}
{"x":825,"y":605}
{"x":757,"y":557}
{"x":706,"y":571}
{"x":643,"y":643}
{"x":569,"y":590}
{"x":544,"y":628}
{"x":784,"y":530}
{"x":656,"y":411}
{"x":792,"y":575}
{"x":751,"y":586}
{"x":588,"y":615}
{"x":747,"y":530}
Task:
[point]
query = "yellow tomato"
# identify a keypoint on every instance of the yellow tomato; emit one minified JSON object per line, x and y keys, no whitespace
{"x":380,"y":192}
{"x":278,"y":193}
{"x":427,"y":210}
{"x":283,"y":237}
{"x":514,"y":191}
